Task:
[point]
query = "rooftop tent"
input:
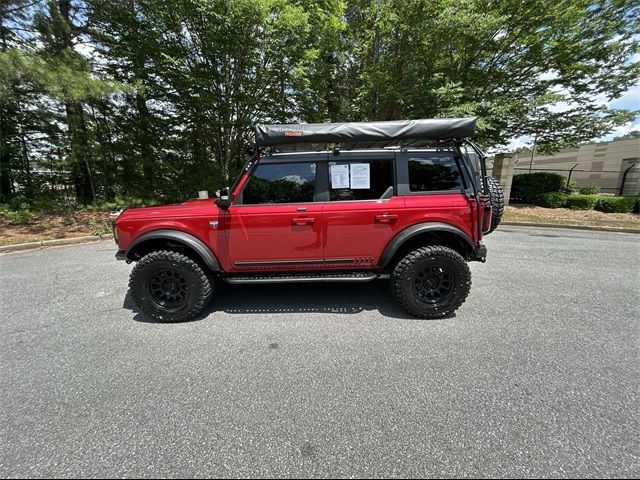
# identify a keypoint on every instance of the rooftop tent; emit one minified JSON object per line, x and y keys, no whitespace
{"x":367,"y":134}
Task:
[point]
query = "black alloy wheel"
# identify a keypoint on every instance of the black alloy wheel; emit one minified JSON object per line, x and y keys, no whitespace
{"x":433,"y":285}
{"x":431,"y":281}
{"x":170,"y":286}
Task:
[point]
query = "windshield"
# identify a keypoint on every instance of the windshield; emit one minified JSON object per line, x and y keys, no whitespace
{"x":245,"y":169}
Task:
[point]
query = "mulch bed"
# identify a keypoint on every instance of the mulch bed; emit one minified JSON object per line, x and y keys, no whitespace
{"x":568,"y":214}
{"x":49,"y":226}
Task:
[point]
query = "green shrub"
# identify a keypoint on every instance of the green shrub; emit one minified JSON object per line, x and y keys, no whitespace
{"x":19,"y":202}
{"x":52,"y":205}
{"x":528,"y":187}
{"x":552,"y":200}
{"x":591,"y":189}
{"x":20,"y":217}
{"x":99,"y":227}
{"x":616,"y":204}
{"x":569,"y":187}
{"x":582,"y":202}
{"x":119,"y":202}
{"x":636,"y":207}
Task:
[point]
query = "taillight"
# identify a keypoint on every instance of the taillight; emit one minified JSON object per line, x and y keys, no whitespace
{"x":486,"y":218}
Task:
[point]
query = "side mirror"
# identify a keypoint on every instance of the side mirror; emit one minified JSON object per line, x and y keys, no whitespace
{"x":224,"y":198}
{"x":251,"y":149}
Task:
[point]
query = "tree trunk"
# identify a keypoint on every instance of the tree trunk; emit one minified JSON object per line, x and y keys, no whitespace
{"x":110,"y":164}
{"x":144,"y":134}
{"x":144,"y":140}
{"x":26,"y":163}
{"x":331,"y":93}
{"x":7,"y":117}
{"x":5,"y":153}
{"x":375,"y":56}
{"x":81,"y":170}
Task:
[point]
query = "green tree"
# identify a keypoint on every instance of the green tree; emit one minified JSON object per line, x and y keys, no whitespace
{"x":206,"y":71}
{"x":124,"y":35}
{"x":13,"y":15}
{"x":501,"y":61}
{"x":158,"y":99}
{"x":54,"y":71}
{"x":227,"y":66}
{"x":628,"y":136}
{"x":67,"y":76}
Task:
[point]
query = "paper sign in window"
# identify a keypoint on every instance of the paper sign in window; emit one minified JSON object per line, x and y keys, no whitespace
{"x":360,"y":176}
{"x":339,"y":176}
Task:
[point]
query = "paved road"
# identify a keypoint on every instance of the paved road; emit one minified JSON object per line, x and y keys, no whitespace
{"x":537,"y":375}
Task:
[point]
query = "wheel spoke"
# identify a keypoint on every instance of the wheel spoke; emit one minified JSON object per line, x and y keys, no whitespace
{"x":433,"y":284}
{"x":168,"y":288}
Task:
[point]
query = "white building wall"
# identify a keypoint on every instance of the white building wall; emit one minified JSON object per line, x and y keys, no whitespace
{"x":602,"y":164}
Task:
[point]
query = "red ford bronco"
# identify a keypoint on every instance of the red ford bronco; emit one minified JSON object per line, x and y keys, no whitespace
{"x":407,"y":201}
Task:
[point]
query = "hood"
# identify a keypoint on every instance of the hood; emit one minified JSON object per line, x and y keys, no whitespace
{"x":189,"y":208}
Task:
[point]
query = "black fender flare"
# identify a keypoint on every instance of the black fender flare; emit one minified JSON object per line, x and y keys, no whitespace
{"x":396,"y":242}
{"x":187,"y":239}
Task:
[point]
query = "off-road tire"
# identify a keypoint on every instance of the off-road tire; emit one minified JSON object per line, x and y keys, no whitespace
{"x":197,"y":286}
{"x":496,"y":199}
{"x":420,"y":263}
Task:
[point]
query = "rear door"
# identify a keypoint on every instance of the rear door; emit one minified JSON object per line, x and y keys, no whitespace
{"x":363,"y":212}
{"x":436,"y":189}
{"x":276,"y":222}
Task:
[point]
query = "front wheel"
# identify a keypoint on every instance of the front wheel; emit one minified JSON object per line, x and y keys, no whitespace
{"x":169,"y":286}
{"x":431,"y":282}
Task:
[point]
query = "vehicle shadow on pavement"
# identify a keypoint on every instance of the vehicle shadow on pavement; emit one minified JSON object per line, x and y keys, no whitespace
{"x":331,"y":298}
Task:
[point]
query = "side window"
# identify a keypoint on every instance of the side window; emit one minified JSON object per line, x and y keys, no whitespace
{"x":433,"y":174}
{"x":281,"y":183}
{"x":360,"y":180}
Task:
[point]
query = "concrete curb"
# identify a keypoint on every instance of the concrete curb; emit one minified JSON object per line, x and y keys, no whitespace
{"x":572,"y":227}
{"x":19,"y":247}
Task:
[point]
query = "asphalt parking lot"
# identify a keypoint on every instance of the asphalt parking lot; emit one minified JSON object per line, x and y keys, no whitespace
{"x":538,"y":374}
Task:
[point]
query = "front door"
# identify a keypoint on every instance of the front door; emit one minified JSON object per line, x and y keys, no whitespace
{"x":275,"y":224}
{"x":363,"y":212}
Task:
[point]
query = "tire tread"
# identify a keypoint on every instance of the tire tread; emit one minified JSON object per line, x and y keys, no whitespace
{"x":205,"y":291}
{"x":496,"y":198}
{"x":404,"y":267}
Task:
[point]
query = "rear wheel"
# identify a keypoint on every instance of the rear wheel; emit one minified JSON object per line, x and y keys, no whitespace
{"x":431,"y":282}
{"x":169,"y":286}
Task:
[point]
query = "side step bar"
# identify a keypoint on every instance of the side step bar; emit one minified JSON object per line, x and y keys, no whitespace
{"x":320,"y":277}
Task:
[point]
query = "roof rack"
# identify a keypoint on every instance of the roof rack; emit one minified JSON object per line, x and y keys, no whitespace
{"x":367,"y":134}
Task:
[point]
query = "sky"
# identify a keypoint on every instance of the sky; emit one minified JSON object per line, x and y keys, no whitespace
{"x":630,"y":100}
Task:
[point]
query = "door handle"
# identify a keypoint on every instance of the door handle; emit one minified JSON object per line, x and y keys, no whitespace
{"x":303,"y":221}
{"x":386,"y":218}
